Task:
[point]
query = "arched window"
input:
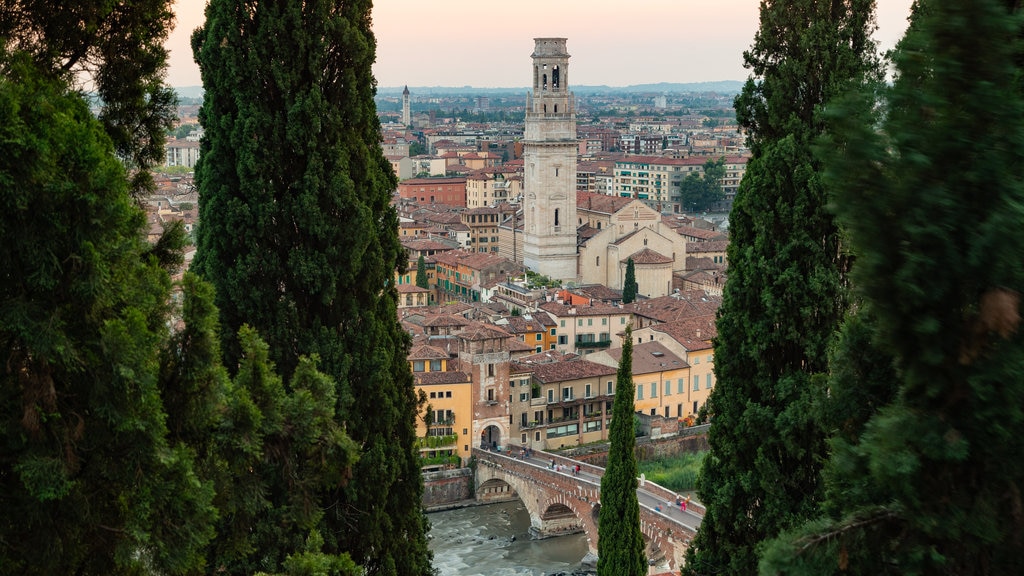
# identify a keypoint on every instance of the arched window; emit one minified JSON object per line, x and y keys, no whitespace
{"x":556,"y":216}
{"x":555,"y":78}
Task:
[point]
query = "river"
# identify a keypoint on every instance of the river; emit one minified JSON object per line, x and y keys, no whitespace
{"x":493,"y":540}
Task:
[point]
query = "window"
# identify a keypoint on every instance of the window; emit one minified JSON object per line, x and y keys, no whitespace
{"x":563,"y":339}
{"x":567,"y":394}
{"x":566,"y":430}
{"x":539,"y":336}
{"x":679,"y":386}
{"x":592,"y":426}
{"x":417,"y":366}
{"x":490,"y":369}
{"x":435,"y":365}
{"x":639,"y":392}
{"x":490,"y":394}
{"x":604,"y":321}
{"x":696,"y":359}
{"x":536,"y":436}
{"x":433,"y":394}
{"x":654,"y":411}
{"x":696,"y":383}
{"x":668,"y":388}
{"x":524,"y":398}
{"x":551,"y":396}
{"x":622,"y":320}
{"x":588,"y":395}
{"x":694,"y":406}
{"x":579,"y":322}
{"x":448,"y":394}
{"x":538,"y":349}
{"x":590,"y":321}
{"x":707,"y":384}
{"x":654,"y":389}
{"x":552,"y":331}
{"x":561,"y":323}
{"x":610,"y":389}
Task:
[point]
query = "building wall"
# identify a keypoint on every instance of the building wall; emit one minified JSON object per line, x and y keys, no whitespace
{"x":449,"y":191}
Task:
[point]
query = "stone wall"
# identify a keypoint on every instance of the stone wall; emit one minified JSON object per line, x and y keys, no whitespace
{"x":685,"y":441}
{"x":447,"y":488}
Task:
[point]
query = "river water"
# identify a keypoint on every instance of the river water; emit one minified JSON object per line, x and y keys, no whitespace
{"x":493,"y":540}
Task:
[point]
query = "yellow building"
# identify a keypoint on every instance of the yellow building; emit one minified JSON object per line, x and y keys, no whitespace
{"x":445,"y":419}
{"x":660,"y":378}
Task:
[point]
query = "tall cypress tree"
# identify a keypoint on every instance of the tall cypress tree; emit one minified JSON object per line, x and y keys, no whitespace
{"x":620,"y":545}
{"x":928,"y":172}
{"x":786,"y":293}
{"x":299,"y":239}
{"x":629,"y":286}
{"x":421,"y":272}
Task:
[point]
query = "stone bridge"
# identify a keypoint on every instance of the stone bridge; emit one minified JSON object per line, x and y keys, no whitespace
{"x":560,"y":502}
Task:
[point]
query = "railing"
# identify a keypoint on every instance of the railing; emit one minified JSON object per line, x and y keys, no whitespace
{"x":593,"y":344}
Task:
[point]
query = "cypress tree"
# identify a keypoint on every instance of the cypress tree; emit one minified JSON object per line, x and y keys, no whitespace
{"x":421,"y":272}
{"x":927,"y":172}
{"x":786,"y":293}
{"x":297,"y":235}
{"x":629,"y":286}
{"x":620,"y":545}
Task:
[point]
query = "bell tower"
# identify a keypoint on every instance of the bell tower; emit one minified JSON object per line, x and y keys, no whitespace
{"x":549,"y":154}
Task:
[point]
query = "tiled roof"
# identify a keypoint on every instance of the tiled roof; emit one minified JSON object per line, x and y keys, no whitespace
{"x":704,"y":247}
{"x":648,"y":256}
{"x":450,"y":377}
{"x":563,"y":370}
{"x":563,"y":311}
{"x":410,"y":289}
{"x":594,"y":202}
{"x":650,"y":357}
{"x":675,"y":307}
{"x":482,"y":331}
{"x":445,"y":321}
{"x":426,"y":352}
{"x":693,"y":333}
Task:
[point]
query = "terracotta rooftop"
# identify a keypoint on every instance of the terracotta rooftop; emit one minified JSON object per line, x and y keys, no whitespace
{"x":650,"y":357}
{"x":562,"y":310}
{"x":648,"y":256}
{"x":560,"y":371}
{"x":594,"y":202}
{"x":675,"y":307}
{"x":704,"y":247}
{"x":450,"y":377}
{"x":426,"y":352}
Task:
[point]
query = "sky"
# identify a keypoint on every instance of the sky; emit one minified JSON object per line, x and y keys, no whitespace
{"x":487,"y":44}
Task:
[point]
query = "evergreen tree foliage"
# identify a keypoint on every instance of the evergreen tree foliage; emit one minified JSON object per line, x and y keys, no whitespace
{"x":91,"y":480}
{"x":421,"y":273}
{"x":112,"y":47}
{"x":702,"y":191}
{"x":928,"y":172}
{"x":620,"y":545}
{"x":298,"y":237}
{"x":786,"y":294}
{"x":629,"y":285}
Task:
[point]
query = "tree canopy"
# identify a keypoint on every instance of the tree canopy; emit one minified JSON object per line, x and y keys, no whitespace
{"x":786,"y":293}
{"x":297,"y":234}
{"x":629,"y":286}
{"x":701,"y":191}
{"x":927,"y":171}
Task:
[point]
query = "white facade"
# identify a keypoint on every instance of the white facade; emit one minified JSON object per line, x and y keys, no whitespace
{"x":549,"y":154}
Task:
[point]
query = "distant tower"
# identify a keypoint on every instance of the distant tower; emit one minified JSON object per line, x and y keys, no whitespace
{"x":549,"y":154}
{"x":406,"y":115}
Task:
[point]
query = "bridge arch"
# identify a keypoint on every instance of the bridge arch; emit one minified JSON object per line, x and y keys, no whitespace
{"x":560,"y":502}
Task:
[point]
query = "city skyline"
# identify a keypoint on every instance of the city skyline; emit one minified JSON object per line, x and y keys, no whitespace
{"x":456,"y":43}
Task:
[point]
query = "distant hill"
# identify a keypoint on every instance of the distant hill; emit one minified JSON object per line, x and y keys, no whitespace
{"x":189,"y":91}
{"x":721,"y":87}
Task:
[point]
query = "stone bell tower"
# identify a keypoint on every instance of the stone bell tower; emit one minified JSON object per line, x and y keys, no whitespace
{"x":549,"y":154}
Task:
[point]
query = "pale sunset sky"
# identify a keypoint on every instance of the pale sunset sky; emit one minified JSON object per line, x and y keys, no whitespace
{"x":487,"y":44}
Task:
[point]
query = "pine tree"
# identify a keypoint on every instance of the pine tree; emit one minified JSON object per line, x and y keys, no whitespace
{"x":300,"y":241}
{"x":629,"y":285}
{"x":620,"y":545}
{"x":421,"y":273}
{"x":91,"y":479}
{"x":928,"y":172}
{"x":786,"y":294}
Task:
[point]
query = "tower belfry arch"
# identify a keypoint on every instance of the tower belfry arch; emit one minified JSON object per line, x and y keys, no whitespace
{"x":549,"y":154}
